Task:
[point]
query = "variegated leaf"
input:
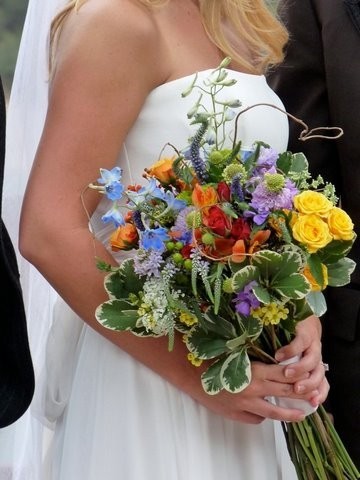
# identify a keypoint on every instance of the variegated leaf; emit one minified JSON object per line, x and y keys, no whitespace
{"x":339,"y":273}
{"x":205,"y":345}
{"x":294,"y":286}
{"x":211,"y":379}
{"x":243,"y":277}
{"x":117,"y":315}
{"x":236,"y":372}
{"x":317,"y":303}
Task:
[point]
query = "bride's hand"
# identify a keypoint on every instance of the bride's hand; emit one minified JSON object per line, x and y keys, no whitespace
{"x":308,"y":374}
{"x":250,"y":406}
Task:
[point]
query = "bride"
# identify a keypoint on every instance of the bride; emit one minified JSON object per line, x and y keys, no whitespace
{"x":121,"y":406}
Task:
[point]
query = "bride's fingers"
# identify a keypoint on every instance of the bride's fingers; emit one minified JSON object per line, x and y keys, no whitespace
{"x":323,"y":391}
{"x":311,"y":383}
{"x":276,"y":373}
{"x":264,"y":408}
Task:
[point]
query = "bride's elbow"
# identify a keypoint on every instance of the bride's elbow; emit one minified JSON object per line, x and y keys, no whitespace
{"x":33,"y":242}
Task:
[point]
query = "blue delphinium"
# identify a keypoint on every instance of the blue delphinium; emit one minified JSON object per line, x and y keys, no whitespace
{"x":154,"y":238}
{"x":111,"y":181}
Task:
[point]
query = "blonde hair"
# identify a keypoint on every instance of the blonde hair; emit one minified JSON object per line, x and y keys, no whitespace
{"x":230,"y":24}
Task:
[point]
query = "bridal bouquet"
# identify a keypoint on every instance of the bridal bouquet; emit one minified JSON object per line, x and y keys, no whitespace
{"x":229,"y":247}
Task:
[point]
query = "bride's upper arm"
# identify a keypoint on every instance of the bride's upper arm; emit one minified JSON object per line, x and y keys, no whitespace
{"x":106,"y":62}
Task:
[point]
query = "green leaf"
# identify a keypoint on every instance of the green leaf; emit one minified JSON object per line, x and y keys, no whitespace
{"x":262,"y":294}
{"x":335,"y":250}
{"x":276,"y":266}
{"x":316,"y":269}
{"x":124,"y":281}
{"x":317,"y":303}
{"x":211,"y":379}
{"x":299,"y":163}
{"x":300,"y":309}
{"x":252,"y":326}
{"x":217,"y":324}
{"x":339,"y":273}
{"x":117,"y":315}
{"x":182,"y":170}
{"x":205,"y":345}
{"x":268,"y":263}
{"x":294,"y":286}
{"x":235,"y":343}
{"x":243,"y":277}
{"x":236,"y":372}
{"x":283,"y":162}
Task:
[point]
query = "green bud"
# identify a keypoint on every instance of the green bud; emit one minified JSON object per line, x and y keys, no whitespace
{"x":188,"y":264}
{"x":207,"y":239}
{"x":193,"y":219}
{"x":233,"y":170}
{"x":170,"y":246}
{"x":177,"y":258}
{"x":179,"y":245}
{"x":274,"y":182}
{"x":227,"y":286}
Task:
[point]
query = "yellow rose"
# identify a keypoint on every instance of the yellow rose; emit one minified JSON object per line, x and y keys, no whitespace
{"x":312,"y":231}
{"x":315,"y":287}
{"x":162,"y":170}
{"x":312,"y":202}
{"x":340,"y":224}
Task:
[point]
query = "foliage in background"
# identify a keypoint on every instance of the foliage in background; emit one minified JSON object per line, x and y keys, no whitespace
{"x":12,"y":15}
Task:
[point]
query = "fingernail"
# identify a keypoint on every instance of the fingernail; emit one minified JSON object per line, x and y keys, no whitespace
{"x":279,"y":356}
{"x":300,"y":389}
{"x":289,"y":372}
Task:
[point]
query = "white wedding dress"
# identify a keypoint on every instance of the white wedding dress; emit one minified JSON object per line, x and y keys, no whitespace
{"x":115,"y":419}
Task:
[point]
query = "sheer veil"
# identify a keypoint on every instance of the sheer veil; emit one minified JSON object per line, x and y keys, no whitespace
{"x":21,"y":443}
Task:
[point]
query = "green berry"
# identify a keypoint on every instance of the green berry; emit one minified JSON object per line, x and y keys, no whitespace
{"x":177,"y":258}
{"x":188,"y":264}
{"x":179,"y":245}
{"x":170,"y":246}
{"x":207,"y":239}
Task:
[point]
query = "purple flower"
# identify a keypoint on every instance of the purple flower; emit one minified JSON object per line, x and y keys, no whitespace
{"x":266,"y":160}
{"x":148,"y":263}
{"x":184,"y":232}
{"x":246,"y":300}
{"x":264,"y":201}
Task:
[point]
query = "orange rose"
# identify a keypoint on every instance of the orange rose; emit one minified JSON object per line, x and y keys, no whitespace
{"x":162,"y":170}
{"x":125,"y":237}
{"x":204,"y":196}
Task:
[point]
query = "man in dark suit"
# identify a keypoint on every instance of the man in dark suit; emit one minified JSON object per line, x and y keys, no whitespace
{"x":16,"y":370}
{"x":319,"y":82}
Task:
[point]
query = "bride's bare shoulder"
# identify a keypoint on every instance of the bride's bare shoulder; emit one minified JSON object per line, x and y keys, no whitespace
{"x":123,"y":32}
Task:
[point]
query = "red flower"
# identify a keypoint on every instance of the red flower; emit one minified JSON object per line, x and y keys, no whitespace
{"x":217,"y":221}
{"x":223,"y":190}
{"x":186,"y":251}
{"x":240,"y":229}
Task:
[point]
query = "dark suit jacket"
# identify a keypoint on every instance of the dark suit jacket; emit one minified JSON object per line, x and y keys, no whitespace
{"x":16,"y":371}
{"x":319,"y":82}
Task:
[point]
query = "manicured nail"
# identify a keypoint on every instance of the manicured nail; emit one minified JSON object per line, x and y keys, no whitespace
{"x":300,"y":389}
{"x":289,"y":372}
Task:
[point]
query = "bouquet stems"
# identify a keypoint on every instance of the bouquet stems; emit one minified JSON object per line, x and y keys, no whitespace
{"x":316,"y":450}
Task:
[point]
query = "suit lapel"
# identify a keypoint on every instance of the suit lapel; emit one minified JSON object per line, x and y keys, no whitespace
{"x":353,"y":8}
